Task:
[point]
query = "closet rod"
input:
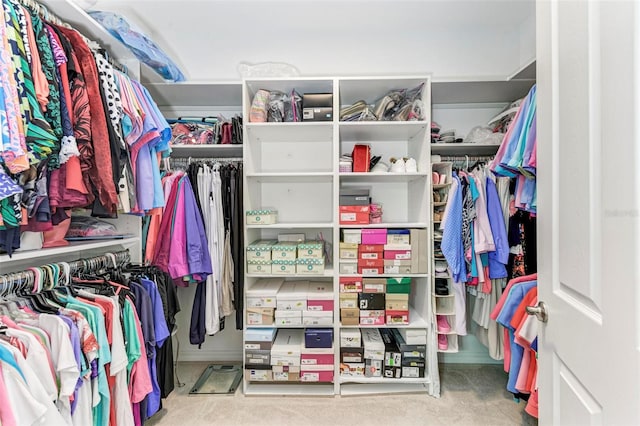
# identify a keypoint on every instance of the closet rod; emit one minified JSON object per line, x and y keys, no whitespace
{"x":48,"y":16}
{"x":10,"y":282}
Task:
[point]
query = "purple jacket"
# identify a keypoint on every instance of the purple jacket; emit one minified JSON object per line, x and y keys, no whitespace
{"x":499,"y":258}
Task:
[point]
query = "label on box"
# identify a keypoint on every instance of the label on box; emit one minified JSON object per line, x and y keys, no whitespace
{"x":398,"y":317}
{"x":351,"y":369}
{"x":350,"y":285}
{"x":373,"y":368}
{"x":377,"y":255}
{"x":259,"y":375}
{"x":370,"y":271}
{"x":412,"y":372}
{"x":393,"y":269}
{"x":397,"y":254}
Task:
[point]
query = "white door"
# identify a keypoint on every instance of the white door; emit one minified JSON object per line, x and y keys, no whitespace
{"x":588,"y":59}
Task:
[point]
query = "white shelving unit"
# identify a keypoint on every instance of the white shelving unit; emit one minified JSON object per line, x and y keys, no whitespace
{"x":293,"y":168}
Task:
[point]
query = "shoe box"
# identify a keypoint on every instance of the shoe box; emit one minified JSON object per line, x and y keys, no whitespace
{"x":317,"y":107}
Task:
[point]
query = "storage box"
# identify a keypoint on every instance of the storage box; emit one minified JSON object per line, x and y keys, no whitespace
{"x":350,"y":284}
{"x":348,"y":300}
{"x":310,"y":266}
{"x":372,"y":343}
{"x":260,"y":316}
{"x":361,"y":155}
{"x":262,"y":217}
{"x":370,"y":263}
{"x":371,"y":271}
{"x":371,"y":301}
{"x":317,"y":107}
{"x":259,"y":357}
{"x":288,"y":317}
{"x":318,"y":338}
{"x":352,"y":369}
{"x":397,"y":266}
{"x":313,"y":249}
{"x":352,"y":236}
{"x":412,"y":372}
{"x":397,"y":254}
{"x":352,"y":355}
{"x":398,"y":236}
{"x":396,"y":302}
{"x":420,"y":250}
{"x":258,"y":375}
{"x":392,"y":372}
{"x":322,"y":376}
{"x":354,"y":215}
{"x":399,"y":285}
{"x":392,"y":355}
{"x":320,"y":296}
{"x":350,"y":338}
{"x":259,"y":267}
{"x":262,"y":294}
{"x":414,"y":362}
{"x":286,"y":376}
{"x":413,"y":336}
{"x":287,"y":347}
{"x":348,"y":251}
{"x":372,"y":317}
{"x":292,"y":296}
{"x":350,"y":316}
{"x":317,"y":317}
{"x":285,"y":250}
{"x":283,"y":267}
{"x":317,"y":359}
{"x":260,"y":250}
{"x":258,"y":346}
{"x":373,"y":367}
{"x":259,"y":334}
{"x":409,"y":351}
{"x":374,"y":236}
{"x":354,"y":197}
{"x":349,"y":267}
{"x":371,"y":248}
{"x":374,"y":285}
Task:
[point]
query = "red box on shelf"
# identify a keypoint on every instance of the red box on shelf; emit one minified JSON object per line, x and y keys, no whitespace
{"x":371,"y":263}
{"x":397,"y":317}
{"x":354,"y":215}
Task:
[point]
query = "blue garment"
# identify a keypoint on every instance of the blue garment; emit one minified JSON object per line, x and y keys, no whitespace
{"x":144,"y":179}
{"x":7,"y":357}
{"x":514,"y":298}
{"x":198,"y":255}
{"x":452,"y":246}
{"x":499,"y":258}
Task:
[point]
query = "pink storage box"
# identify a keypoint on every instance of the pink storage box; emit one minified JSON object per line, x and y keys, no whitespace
{"x":315,"y":359}
{"x":319,"y":305}
{"x":397,"y":254}
{"x":317,"y":376}
{"x":374,"y":236}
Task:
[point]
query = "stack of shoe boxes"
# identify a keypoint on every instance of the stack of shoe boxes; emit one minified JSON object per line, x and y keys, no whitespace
{"x":261,"y":301}
{"x":413,"y":347}
{"x":373,"y":352}
{"x":354,"y":206}
{"x":319,"y":304}
{"x":350,"y":287}
{"x":285,"y":354}
{"x":351,"y":353}
{"x":397,"y":301}
{"x":317,"y":358}
{"x":258,"y":344}
{"x":289,"y":255}
{"x":259,"y":257}
{"x":392,"y":356}
{"x":291,"y":301}
{"x":371,"y":301}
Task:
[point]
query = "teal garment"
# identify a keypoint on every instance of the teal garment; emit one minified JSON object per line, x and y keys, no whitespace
{"x":131,"y":338}
{"x":101,"y":411}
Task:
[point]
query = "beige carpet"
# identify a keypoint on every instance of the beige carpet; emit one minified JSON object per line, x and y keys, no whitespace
{"x":471,"y":395}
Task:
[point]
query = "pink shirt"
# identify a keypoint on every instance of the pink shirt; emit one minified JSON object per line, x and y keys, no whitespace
{"x":6,"y":414}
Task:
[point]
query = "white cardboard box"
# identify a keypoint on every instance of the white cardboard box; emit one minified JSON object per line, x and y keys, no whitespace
{"x":288,"y":317}
{"x":351,"y":338}
{"x":262,"y":294}
{"x":292,"y":296}
{"x":373,"y":344}
{"x":317,"y":317}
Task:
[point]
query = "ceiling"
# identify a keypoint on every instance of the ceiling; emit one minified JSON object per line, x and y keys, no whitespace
{"x":209,"y":38}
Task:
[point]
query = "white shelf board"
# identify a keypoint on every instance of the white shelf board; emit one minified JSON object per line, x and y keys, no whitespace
{"x":449,"y":351}
{"x":478,"y":91}
{"x":391,"y":131}
{"x":352,"y":389}
{"x":73,"y":247}
{"x":389,"y":225}
{"x":197,"y":93}
{"x":386,"y":275}
{"x":382,"y":177}
{"x":328,"y":272}
{"x":445,"y":313}
{"x":297,"y":225}
{"x":382,"y":380}
{"x":290,"y":132}
{"x":462,"y":149}
{"x":287,"y":326}
{"x":223,"y":151}
{"x":291,"y":177}
{"x":290,"y":388}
